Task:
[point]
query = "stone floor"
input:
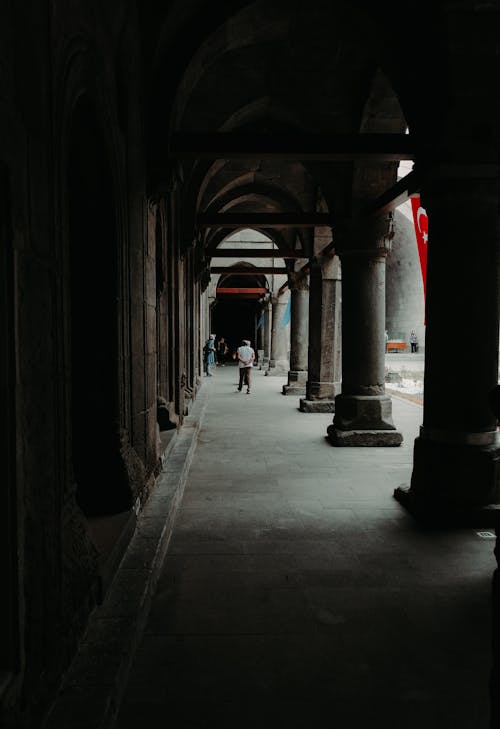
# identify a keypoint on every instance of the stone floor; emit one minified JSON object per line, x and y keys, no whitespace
{"x":297,"y":593}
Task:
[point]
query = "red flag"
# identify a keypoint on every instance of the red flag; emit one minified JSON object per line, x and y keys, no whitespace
{"x":422,"y":234}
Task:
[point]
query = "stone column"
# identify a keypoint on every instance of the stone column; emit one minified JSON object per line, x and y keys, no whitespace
{"x":266,"y":335}
{"x":363,"y":412}
{"x":457,"y":454}
{"x":324,"y":352}
{"x":278,"y":361}
{"x":259,"y":338}
{"x":299,"y":334}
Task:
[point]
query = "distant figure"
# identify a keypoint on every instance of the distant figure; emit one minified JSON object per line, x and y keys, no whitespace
{"x":413,"y":341}
{"x":246,"y":356}
{"x":209,"y":354}
{"x":386,"y":335}
{"x":222,"y":350}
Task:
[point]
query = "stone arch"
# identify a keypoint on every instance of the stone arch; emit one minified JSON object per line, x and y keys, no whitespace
{"x":235,"y":316}
{"x":101,"y":480}
{"x":216,"y":237}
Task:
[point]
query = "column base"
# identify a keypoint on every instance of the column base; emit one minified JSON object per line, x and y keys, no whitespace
{"x":370,"y":438}
{"x":294,"y":389}
{"x":316,"y":406}
{"x":480,"y":517}
{"x":277,"y":367}
{"x":453,"y":484}
{"x":296,"y":383}
{"x":363,"y":420}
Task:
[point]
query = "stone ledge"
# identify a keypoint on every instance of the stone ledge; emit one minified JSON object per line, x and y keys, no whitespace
{"x":91,"y":690}
{"x":369,"y":438}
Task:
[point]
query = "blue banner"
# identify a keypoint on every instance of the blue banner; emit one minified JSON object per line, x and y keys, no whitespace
{"x":260,"y":323}
{"x":287,"y":315}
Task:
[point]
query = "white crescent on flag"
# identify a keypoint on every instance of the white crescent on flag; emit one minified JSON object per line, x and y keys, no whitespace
{"x":422,"y":213}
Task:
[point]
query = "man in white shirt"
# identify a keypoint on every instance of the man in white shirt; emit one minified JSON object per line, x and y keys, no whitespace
{"x":246,"y":356}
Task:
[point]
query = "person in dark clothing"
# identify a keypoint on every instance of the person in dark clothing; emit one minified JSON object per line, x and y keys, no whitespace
{"x":222,"y":350}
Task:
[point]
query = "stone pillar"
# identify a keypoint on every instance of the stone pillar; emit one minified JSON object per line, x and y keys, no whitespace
{"x":363,"y":412}
{"x":259,"y":338}
{"x":266,"y":335}
{"x":324,"y":352}
{"x":278,"y":361}
{"x":299,"y":334}
{"x":457,"y":453}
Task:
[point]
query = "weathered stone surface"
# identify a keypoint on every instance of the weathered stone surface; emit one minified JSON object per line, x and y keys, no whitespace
{"x":364,"y":437}
{"x":316,"y":406}
{"x":294,"y":389}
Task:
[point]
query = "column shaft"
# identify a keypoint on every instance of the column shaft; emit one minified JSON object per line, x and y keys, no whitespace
{"x":278,"y":362}
{"x":299,"y":336}
{"x":457,"y":456}
{"x":323,"y":377}
{"x":363,"y":412}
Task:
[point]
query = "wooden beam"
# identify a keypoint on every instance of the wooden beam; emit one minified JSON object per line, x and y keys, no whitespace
{"x":253,"y":253}
{"x":292,"y":146}
{"x":248,"y":271}
{"x":403,"y":190}
{"x":248,"y":291}
{"x":263,"y":220}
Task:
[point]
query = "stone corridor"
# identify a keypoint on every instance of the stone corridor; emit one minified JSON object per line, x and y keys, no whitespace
{"x":297,"y":592}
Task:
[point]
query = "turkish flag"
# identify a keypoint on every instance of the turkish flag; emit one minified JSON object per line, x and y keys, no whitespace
{"x":421,"y":223}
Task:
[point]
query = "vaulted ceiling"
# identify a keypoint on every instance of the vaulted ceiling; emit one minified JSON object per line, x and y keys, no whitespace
{"x":272,"y":107}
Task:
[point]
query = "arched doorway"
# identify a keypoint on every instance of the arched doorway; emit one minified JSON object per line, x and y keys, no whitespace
{"x":237,"y":307}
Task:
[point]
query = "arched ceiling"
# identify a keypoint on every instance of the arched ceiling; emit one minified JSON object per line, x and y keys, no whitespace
{"x":278,"y":69}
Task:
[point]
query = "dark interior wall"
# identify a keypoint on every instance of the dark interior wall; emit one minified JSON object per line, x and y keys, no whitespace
{"x":9,"y":622}
{"x":30,"y":373}
{"x":101,"y":481}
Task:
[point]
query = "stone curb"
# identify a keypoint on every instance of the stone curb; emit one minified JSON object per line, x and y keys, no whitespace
{"x":91,"y":690}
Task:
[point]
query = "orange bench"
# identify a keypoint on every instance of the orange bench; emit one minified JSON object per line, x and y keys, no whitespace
{"x":395,"y":346}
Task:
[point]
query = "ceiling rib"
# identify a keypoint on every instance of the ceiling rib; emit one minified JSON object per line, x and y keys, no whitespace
{"x":239,"y":271}
{"x":255,"y":253}
{"x":263,"y":220}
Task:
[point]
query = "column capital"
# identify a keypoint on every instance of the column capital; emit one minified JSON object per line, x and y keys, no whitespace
{"x":328,"y":265}
{"x":277,"y":299}
{"x":365,"y":235}
{"x":298,"y":281}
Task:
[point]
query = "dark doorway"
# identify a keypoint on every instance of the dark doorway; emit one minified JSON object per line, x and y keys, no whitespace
{"x":234,"y":320}
{"x":235,"y":313}
{"x":102,"y":486}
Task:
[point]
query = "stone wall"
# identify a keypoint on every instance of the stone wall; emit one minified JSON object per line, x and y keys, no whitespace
{"x":55,"y":59}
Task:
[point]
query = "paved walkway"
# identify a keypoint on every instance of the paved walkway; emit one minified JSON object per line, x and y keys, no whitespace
{"x":297,"y":593}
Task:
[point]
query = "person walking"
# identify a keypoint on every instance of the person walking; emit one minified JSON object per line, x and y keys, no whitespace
{"x":209,"y":354}
{"x":222,"y":350}
{"x":413,"y":341}
{"x":246,"y":356}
